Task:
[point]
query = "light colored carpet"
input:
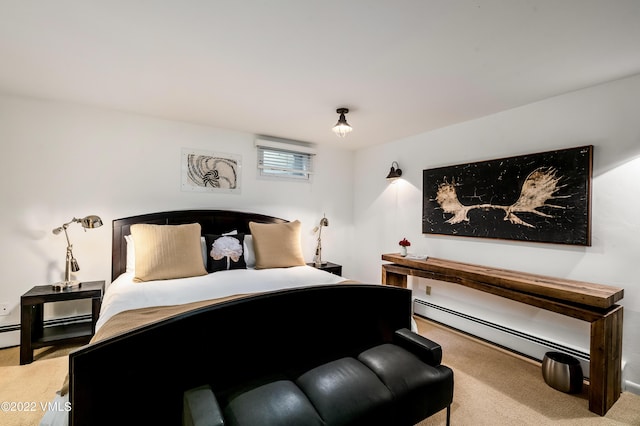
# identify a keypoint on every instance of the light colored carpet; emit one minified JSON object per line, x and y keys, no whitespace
{"x":29,"y":388}
{"x":492,"y":387}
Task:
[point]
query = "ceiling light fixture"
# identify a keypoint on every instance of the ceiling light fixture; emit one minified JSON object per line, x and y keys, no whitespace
{"x":342,"y":127}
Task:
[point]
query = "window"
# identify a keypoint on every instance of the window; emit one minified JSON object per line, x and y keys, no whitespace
{"x":284,"y":160}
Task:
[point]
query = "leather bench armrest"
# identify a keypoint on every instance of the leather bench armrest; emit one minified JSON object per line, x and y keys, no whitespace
{"x":428,"y":351}
{"x":200,"y":408}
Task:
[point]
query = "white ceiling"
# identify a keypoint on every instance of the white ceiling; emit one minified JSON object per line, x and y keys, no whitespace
{"x":282,"y":67}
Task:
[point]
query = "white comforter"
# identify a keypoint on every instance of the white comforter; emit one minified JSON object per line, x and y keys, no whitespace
{"x":123,"y":294}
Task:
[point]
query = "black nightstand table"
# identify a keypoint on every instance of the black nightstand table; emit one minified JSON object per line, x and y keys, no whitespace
{"x":34,"y":335}
{"x":334,"y":268}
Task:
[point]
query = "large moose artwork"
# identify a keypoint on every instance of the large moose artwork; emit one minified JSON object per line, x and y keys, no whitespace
{"x":542,"y":197}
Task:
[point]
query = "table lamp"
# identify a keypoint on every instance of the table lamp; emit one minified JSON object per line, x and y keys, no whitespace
{"x":88,"y":222}
{"x":317,"y":259}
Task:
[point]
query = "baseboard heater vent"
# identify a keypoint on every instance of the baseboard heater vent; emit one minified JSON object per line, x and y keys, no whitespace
{"x":507,"y":338}
{"x":50,"y":322}
{"x":67,"y":320}
{"x":8,"y":328}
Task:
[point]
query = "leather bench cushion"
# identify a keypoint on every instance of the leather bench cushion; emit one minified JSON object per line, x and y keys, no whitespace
{"x":420,"y":389}
{"x":345,"y":392}
{"x":272,"y":404}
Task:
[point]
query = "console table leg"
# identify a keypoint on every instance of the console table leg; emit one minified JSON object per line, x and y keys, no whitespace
{"x":392,"y":278}
{"x":606,"y":362}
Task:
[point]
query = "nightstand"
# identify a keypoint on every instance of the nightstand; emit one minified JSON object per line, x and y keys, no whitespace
{"x":334,"y":268}
{"x":34,"y":335}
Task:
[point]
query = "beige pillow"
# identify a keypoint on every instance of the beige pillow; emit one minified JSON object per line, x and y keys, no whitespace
{"x":277,"y":245}
{"x":165,"y":252}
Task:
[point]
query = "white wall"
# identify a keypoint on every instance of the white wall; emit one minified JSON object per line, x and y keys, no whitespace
{"x":605,"y":116}
{"x":60,"y":161}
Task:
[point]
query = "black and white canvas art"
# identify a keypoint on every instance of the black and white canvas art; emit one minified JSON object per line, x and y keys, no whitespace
{"x":543,"y":197}
{"x":205,"y":171}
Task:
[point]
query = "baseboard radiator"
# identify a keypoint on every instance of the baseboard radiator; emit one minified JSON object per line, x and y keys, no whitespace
{"x":507,"y":338}
{"x":10,"y":334}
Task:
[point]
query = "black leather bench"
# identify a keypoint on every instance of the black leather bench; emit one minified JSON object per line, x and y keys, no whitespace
{"x":396,"y":381}
{"x":387,"y":385}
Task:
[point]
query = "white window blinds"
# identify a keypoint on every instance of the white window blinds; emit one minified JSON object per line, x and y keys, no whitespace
{"x":279,"y":159}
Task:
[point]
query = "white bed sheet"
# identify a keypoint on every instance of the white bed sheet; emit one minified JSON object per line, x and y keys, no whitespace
{"x":123,"y":294}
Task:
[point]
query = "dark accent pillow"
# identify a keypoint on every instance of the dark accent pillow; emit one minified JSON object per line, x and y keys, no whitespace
{"x":225,"y":252}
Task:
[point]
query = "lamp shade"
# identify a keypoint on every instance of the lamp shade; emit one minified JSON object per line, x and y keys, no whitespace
{"x":342,"y":127}
{"x":91,"y":221}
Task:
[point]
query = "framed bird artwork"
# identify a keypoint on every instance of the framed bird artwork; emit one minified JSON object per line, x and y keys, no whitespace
{"x":543,"y":197}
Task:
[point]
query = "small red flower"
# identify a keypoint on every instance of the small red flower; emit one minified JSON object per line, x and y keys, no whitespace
{"x":404,"y":243}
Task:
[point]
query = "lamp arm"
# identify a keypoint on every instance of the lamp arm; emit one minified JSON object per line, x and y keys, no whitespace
{"x":71,"y":264}
{"x":66,"y":234}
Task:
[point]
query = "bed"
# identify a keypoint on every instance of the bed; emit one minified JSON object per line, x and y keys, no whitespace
{"x":271,"y":260}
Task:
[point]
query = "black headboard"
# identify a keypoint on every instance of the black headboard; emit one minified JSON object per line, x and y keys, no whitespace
{"x":211,"y":221}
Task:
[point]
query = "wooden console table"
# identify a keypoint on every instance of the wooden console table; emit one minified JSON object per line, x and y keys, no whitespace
{"x":585,"y":301}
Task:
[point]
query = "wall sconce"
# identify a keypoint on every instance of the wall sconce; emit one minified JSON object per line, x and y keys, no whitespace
{"x":317,"y":259}
{"x":394,"y":173}
{"x":88,"y":222}
{"x":342,"y":127}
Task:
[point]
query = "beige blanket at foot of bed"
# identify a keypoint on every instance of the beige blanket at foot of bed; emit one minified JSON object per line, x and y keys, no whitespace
{"x":134,"y":318}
